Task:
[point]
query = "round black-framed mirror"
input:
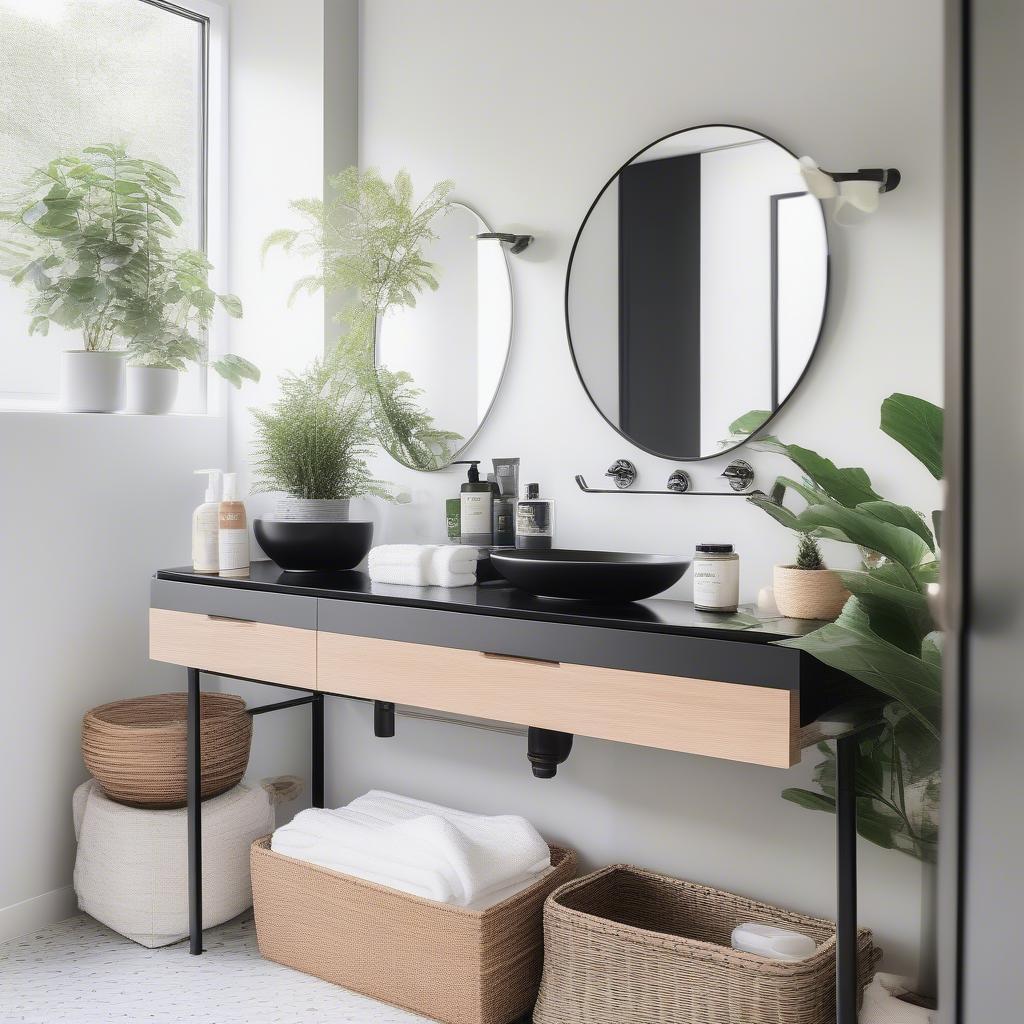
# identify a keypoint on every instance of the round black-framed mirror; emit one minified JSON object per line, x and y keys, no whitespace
{"x":697,"y":289}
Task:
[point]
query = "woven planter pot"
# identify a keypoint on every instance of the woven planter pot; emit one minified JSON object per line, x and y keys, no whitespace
{"x":135,"y":749}
{"x":455,"y":965}
{"x":624,"y":944}
{"x":808,"y":593}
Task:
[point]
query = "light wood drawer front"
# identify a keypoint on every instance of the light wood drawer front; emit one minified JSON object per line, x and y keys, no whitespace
{"x":235,"y":647}
{"x":755,"y":724}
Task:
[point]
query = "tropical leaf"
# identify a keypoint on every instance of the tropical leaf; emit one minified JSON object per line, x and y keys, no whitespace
{"x":900,"y":515}
{"x":848,"y":486}
{"x":850,"y":645}
{"x":860,"y":527}
{"x":236,"y":370}
{"x":917,"y":425}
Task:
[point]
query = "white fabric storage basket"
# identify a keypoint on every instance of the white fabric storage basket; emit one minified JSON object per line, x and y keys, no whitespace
{"x":131,"y":870}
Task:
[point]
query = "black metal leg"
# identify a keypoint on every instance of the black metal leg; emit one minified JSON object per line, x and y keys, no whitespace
{"x":318,"y":749}
{"x":195,"y":818}
{"x":846,"y":879}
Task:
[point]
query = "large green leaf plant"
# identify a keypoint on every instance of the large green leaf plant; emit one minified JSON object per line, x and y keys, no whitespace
{"x":885,"y":636}
{"x":367,"y":242}
{"x":93,"y":236}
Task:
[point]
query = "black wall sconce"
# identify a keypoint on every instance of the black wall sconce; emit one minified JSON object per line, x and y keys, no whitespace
{"x":516,"y":243}
{"x":859,"y":189}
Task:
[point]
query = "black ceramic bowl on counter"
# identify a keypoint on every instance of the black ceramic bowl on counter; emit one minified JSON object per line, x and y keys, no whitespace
{"x":606,"y":576}
{"x":314,"y":547}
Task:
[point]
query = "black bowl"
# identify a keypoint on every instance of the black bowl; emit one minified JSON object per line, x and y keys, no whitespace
{"x":314,"y":547}
{"x":606,"y":576}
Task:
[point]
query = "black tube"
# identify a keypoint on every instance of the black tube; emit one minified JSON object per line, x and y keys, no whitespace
{"x":317,"y":745}
{"x":193,"y":796}
{"x":846,"y":880}
{"x":547,"y":749}
{"x":383,"y":719}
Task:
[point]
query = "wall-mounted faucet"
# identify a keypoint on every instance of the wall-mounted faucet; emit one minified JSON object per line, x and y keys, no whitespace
{"x":739,"y":473}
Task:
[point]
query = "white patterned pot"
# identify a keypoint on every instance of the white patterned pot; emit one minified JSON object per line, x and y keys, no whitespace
{"x":808,"y":593}
{"x":151,"y":390}
{"x":92,"y":381}
{"x":311,"y":510}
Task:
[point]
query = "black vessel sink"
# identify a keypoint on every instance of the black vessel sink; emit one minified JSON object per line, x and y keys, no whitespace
{"x":605,"y":576}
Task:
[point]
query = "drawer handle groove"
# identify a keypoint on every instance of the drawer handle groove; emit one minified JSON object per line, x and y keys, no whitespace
{"x":230,"y":618}
{"x":521,"y":658}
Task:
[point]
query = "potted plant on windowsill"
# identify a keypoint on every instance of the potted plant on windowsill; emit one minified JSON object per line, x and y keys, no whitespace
{"x":808,"y":589}
{"x":92,"y":236}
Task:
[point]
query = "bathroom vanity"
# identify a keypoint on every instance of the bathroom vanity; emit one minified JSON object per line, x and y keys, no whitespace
{"x":656,"y":673}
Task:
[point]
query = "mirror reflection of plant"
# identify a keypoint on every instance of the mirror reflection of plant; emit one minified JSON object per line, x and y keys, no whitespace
{"x":93,"y":234}
{"x":885,"y":636}
{"x":368,"y":241}
{"x":402,"y":425}
{"x":314,"y":441}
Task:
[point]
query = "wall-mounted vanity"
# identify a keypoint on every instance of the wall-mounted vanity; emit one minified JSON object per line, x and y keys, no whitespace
{"x":655,"y":673}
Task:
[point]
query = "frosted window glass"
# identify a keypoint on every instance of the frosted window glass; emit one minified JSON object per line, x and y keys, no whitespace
{"x":78,"y":72}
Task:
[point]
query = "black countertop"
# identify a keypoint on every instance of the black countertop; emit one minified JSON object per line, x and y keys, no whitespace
{"x":656,"y":615}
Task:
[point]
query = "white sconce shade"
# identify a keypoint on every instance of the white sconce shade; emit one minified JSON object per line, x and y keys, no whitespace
{"x":853,"y":191}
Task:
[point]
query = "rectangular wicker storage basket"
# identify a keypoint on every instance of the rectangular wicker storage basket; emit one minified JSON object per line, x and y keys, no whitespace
{"x":628,"y":945}
{"x":455,"y":965}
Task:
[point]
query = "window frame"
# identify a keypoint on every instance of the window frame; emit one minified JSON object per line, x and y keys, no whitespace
{"x":212,"y":18}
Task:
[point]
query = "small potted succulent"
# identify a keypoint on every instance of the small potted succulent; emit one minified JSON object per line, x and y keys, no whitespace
{"x":808,"y":589}
{"x":92,"y":235}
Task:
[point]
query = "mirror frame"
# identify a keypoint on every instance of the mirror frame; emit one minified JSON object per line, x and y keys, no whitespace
{"x":814,"y":347}
{"x":508,"y":347}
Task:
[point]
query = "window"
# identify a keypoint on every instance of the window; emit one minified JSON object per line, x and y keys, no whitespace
{"x":75,"y":73}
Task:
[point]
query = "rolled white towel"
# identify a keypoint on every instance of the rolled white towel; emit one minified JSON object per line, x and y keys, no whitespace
{"x":400,"y":554}
{"x":452,"y":579}
{"x":453,"y":565}
{"x":401,"y":575}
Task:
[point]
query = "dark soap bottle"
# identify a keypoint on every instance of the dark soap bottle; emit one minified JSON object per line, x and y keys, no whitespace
{"x":535,"y":520}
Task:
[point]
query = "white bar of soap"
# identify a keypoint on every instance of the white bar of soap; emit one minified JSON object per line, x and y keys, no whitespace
{"x":771,"y":942}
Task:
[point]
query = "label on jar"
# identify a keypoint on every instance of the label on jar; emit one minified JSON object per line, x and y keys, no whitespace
{"x":716,"y":584}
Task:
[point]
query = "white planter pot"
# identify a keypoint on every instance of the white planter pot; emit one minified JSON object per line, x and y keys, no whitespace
{"x":92,"y":381}
{"x":311,"y":510}
{"x":151,"y":390}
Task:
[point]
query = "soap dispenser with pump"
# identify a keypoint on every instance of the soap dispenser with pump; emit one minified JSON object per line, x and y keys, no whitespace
{"x":475,"y":506}
{"x":233,"y":533}
{"x":204,"y":525}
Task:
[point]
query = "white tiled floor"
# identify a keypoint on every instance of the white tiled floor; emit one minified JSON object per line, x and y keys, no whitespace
{"x":80,"y":972}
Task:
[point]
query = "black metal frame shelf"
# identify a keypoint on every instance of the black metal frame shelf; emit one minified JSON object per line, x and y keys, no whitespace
{"x":844,"y":729}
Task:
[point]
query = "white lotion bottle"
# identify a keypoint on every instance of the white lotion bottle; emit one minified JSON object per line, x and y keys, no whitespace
{"x":205,"y":525}
{"x":233,"y":532}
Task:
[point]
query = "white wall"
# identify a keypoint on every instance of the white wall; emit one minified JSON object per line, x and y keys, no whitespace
{"x":91,"y":506}
{"x":530,"y":109}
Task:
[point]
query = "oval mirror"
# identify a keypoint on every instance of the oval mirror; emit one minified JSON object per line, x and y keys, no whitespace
{"x":441,"y":361}
{"x":696,"y":289}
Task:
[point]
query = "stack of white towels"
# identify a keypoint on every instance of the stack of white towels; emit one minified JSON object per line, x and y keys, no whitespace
{"x":467,"y":860}
{"x":424,"y":565}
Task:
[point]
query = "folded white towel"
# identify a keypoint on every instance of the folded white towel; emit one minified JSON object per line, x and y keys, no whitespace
{"x":454,"y":558}
{"x":400,"y":554}
{"x":452,"y":579}
{"x":401,"y":575}
{"x":423,"y":565}
{"x":431,"y":851}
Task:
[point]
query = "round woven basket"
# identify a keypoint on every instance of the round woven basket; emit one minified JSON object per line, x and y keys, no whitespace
{"x":135,"y":749}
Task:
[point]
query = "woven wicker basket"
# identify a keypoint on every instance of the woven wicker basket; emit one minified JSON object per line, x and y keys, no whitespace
{"x":455,"y":965}
{"x":135,"y":749}
{"x":627,"y":945}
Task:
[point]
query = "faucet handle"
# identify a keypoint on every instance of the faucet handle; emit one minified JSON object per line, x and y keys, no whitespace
{"x":623,"y":472}
{"x":740,"y":474}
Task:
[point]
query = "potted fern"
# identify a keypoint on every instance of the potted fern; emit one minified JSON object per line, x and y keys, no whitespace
{"x":808,"y":589}
{"x":92,"y":236}
{"x":312,"y":446}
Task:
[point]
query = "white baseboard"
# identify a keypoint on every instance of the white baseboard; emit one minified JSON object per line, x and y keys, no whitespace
{"x":38,"y":912}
